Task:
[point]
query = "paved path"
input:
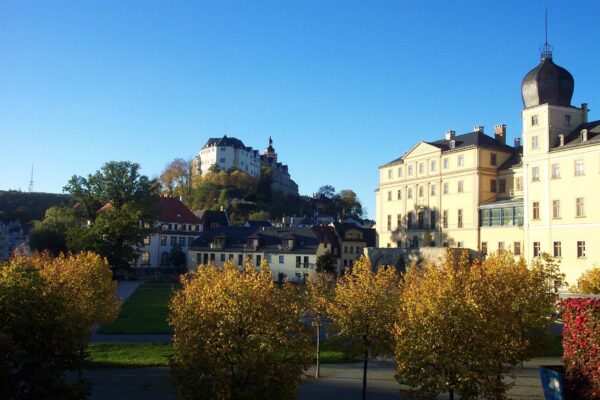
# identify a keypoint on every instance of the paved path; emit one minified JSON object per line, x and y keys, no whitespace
{"x":126,"y":289}
{"x":118,"y":338}
{"x":338,"y":382}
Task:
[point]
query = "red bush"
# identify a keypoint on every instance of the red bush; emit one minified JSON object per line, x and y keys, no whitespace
{"x":581,"y":343}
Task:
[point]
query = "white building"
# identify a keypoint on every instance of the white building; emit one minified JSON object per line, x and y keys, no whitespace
{"x":227,"y":153}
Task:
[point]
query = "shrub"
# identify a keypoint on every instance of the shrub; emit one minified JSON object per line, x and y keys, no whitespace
{"x":589,"y":282}
{"x":581,"y":343}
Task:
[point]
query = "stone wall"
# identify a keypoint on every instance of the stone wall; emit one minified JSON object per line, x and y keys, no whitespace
{"x":403,"y":258}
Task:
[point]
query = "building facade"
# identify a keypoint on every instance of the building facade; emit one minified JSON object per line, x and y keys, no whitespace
{"x":474,"y":191}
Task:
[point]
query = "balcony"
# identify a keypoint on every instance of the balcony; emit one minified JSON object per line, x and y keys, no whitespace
{"x":516,"y":192}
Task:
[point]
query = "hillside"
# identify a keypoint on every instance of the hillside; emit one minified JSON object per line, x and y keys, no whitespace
{"x":27,"y":206}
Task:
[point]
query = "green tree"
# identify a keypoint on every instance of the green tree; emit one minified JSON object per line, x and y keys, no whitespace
{"x":51,"y":233}
{"x":462,"y":326}
{"x":327,"y":191}
{"x":237,"y":335}
{"x":177,"y":256}
{"x":364,"y":310}
{"x":327,"y":263}
{"x":117,"y":230}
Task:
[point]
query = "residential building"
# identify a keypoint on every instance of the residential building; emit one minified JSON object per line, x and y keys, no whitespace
{"x":13,"y":235}
{"x":536,"y":196}
{"x":352,"y":240}
{"x":291,"y":252}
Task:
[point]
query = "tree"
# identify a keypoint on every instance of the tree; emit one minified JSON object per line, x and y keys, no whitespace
{"x":318,"y":298}
{"x":237,"y":335}
{"x":364,"y":309}
{"x":47,"y":308}
{"x":348,"y":204}
{"x":51,"y":233}
{"x":589,"y":282}
{"x":462,"y":325}
{"x":117,"y":230}
{"x":177,"y":256}
{"x":327,"y":191}
{"x":327,"y":263}
{"x":176,"y":177}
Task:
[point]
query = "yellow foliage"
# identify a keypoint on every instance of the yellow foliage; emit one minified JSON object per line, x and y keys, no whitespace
{"x":237,"y":335}
{"x":589,"y":282}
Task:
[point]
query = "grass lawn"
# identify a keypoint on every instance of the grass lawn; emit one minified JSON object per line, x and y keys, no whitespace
{"x":114,"y":355}
{"x":145,"y":312}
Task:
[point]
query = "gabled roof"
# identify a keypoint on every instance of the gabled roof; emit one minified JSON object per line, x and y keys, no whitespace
{"x":573,"y":138}
{"x":471,"y":139}
{"x":228,"y":142}
{"x":369,"y":234}
{"x":209,"y":217}
{"x":258,"y":223}
{"x":171,"y":209}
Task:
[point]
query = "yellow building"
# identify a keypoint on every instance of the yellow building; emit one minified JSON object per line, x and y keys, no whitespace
{"x":474,"y":191}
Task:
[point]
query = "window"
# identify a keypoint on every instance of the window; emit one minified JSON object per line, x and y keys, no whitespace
{"x":484,"y":248}
{"x":389,"y":174}
{"x":305,"y":261}
{"x":493,"y":186}
{"x":163,"y":240}
{"x":555,"y":209}
{"x":389,"y":222}
{"x":460,"y":218}
{"x":517,"y":247}
{"x":580,"y":249}
{"x":502,"y":186}
{"x":446,"y":163}
{"x":145,"y":257}
{"x":461,"y":161}
{"x":567,"y":120}
{"x":557,"y":249}
{"x":281,"y":259}
{"x":410,"y":170}
{"x":579,"y":207}
{"x":536,"y":210}
{"x":421,"y":168}
{"x":182,"y":241}
{"x":493,"y":159}
{"x":240,"y":260}
{"x":222,"y":160}
{"x":212,"y":256}
{"x":389,"y":195}
{"x":409,"y":193}
{"x":420,"y":220}
{"x":536,"y":249}
{"x":432,"y":217}
{"x":222,"y":257}
{"x":345,"y":249}
{"x":535,"y":174}
{"x":420,"y":191}
{"x":555,"y":171}
{"x":351,"y":248}
{"x":579,"y":167}
{"x":433,"y":166}
{"x":459,"y":245}
{"x":535,"y":144}
{"x":147,"y":240}
{"x":258,"y":259}
{"x":189,"y":241}
{"x":534,"y":120}
{"x":173,"y":240}
{"x":399,"y":221}
{"x":164,"y":258}
{"x":399,"y":172}
{"x":500,"y":246}
{"x":399,"y":195}
{"x":409,"y":220}
{"x":433,"y":190}
{"x":460,"y":186}
{"x":446,"y":188}
{"x":445,"y":219}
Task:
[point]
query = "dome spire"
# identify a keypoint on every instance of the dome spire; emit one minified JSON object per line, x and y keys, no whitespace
{"x":546,"y":49}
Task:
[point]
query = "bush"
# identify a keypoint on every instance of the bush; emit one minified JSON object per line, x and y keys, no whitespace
{"x":237,"y":335}
{"x":589,"y":282}
{"x":581,"y":343}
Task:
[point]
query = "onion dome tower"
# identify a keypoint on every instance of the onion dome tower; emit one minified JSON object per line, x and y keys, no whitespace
{"x":270,"y":152}
{"x":547,"y":83}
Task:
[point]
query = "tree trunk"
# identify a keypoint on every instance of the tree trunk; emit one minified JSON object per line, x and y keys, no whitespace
{"x":451,"y":394}
{"x":365,"y":365}
{"x":318,"y":350}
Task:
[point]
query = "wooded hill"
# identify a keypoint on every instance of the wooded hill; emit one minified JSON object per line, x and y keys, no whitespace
{"x":26,"y":206}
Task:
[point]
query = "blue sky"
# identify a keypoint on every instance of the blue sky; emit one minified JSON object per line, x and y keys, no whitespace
{"x":342,"y":87}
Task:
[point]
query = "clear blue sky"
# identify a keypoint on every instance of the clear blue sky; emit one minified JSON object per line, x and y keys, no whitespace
{"x":343,"y":87}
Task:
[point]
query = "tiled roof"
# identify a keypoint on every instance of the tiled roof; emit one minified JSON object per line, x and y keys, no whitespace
{"x":573,"y":139}
{"x":209,"y":217}
{"x":171,"y":209}
{"x":471,"y":139}
{"x":228,"y":142}
{"x":369,"y":234}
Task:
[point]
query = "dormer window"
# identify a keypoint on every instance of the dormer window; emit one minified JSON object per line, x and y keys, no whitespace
{"x":452,"y":144}
{"x":567,"y":120}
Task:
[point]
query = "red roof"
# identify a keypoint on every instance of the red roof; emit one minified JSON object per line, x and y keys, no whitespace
{"x":171,"y":209}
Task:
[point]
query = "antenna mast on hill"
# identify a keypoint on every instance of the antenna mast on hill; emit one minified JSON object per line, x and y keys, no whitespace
{"x":31,"y":180}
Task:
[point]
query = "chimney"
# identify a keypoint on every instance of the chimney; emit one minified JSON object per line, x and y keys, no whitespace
{"x":450,"y":135}
{"x":561,"y":140}
{"x":478,"y":128}
{"x":584,"y":135}
{"x":584,"y":112}
{"x":500,"y":133}
{"x":517,"y":142}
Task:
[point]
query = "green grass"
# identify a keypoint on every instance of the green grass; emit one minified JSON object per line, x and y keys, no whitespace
{"x":124,"y":355}
{"x":112,"y":355}
{"x":145,"y":312}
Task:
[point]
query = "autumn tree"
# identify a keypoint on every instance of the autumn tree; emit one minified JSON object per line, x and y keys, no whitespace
{"x":364,"y":309}
{"x":237,"y":335}
{"x":463,"y":325}
{"x":318,"y":299}
{"x":588,"y":282}
{"x":327,"y":263}
{"x":119,"y":204}
{"x":47,"y":308}
{"x":176,"y":177}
